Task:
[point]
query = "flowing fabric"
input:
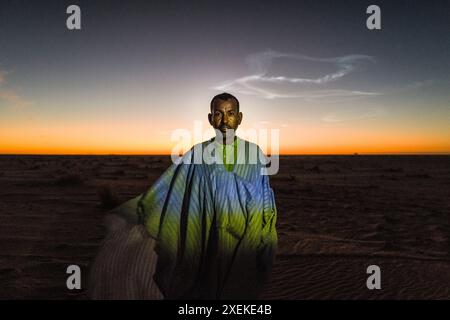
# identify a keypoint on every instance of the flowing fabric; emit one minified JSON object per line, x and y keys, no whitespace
{"x":213,"y":228}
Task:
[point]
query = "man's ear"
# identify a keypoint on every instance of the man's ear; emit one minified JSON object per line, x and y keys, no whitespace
{"x":210,"y":118}
{"x":239,"y":117}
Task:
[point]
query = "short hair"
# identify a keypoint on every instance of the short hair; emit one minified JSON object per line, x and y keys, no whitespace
{"x":224,"y":97}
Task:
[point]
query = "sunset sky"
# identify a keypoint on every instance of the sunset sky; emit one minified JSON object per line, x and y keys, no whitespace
{"x":138,"y":70}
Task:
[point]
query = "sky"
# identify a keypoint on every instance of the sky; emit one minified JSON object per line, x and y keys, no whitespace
{"x":138,"y":71}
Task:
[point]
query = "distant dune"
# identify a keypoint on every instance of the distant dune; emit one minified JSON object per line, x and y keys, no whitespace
{"x":336,"y":216}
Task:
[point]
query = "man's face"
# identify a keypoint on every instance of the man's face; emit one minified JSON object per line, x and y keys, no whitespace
{"x":225,"y":116}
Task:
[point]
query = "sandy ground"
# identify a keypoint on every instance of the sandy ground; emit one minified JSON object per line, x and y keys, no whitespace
{"x":336,"y":216}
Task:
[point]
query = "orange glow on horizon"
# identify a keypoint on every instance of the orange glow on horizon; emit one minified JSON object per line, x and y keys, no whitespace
{"x":118,"y":138}
{"x":23,"y":150}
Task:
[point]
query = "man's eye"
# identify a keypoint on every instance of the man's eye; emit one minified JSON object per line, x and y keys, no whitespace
{"x":217,"y":114}
{"x":231,"y":113}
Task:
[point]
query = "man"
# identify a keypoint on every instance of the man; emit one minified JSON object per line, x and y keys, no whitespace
{"x":210,"y":219}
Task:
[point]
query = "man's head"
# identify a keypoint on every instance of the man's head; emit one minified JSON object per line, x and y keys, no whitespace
{"x":225,"y":115}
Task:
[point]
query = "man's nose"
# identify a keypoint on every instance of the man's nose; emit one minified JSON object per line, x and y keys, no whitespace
{"x":225,"y":119}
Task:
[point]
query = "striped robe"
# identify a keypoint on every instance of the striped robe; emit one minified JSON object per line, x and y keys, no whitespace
{"x":213,"y":230}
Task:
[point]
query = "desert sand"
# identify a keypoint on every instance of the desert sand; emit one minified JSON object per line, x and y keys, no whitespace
{"x":336,"y":216}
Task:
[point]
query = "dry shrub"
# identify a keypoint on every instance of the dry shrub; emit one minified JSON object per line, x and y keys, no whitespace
{"x":108,"y":197}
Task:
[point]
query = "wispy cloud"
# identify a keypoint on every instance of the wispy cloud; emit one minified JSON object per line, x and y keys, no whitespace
{"x":9,"y":99}
{"x":414,"y":86}
{"x":261,"y":83}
